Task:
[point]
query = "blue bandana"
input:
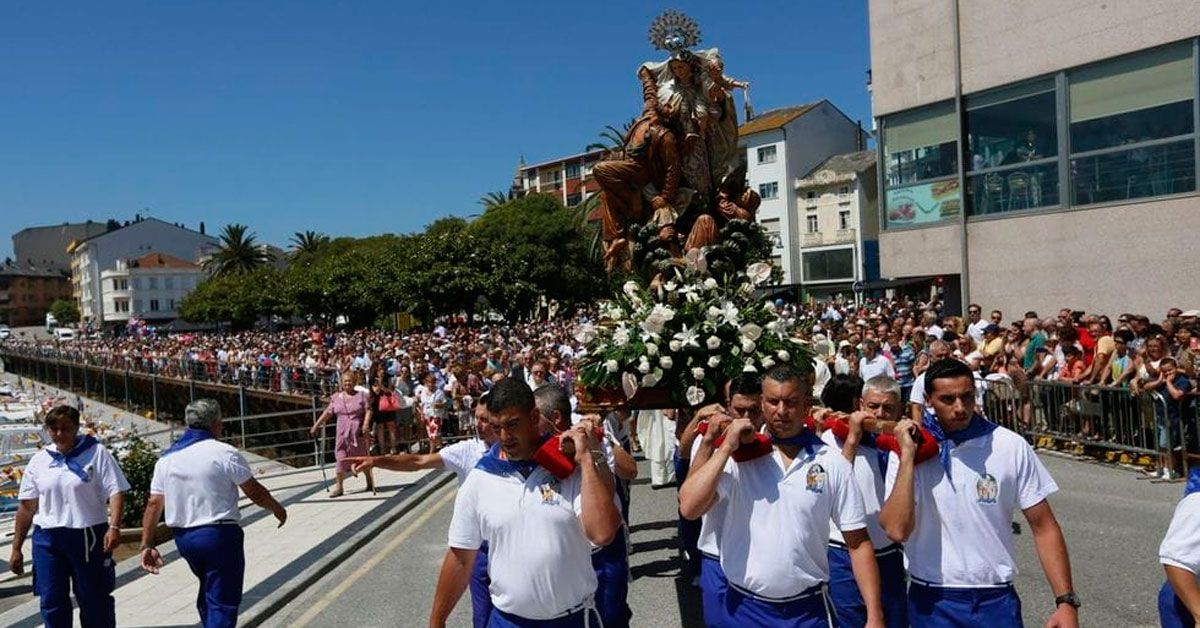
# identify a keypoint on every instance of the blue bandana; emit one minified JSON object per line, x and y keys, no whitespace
{"x":70,"y":459}
{"x":871,"y":439}
{"x":806,"y":439}
{"x":190,"y":437}
{"x":1193,"y":481}
{"x":978,"y":426}
{"x":494,"y":464}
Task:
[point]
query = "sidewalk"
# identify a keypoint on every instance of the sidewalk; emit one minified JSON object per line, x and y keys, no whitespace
{"x":280,"y":562}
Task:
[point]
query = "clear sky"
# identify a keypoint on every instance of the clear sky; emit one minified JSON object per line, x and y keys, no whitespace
{"x":352,"y":117}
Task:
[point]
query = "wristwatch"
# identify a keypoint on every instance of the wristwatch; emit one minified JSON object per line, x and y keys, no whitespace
{"x":1067,"y":598}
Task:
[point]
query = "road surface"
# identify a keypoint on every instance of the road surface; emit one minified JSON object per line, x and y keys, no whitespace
{"x":1113,"y":522}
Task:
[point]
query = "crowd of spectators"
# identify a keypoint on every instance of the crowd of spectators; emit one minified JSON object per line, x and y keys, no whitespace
{"x":439,"y":374}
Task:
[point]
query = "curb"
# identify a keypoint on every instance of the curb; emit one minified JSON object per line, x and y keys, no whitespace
{"x":266,"y":607}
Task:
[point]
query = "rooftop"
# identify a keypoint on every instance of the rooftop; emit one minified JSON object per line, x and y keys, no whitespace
{"x":14,"y":270}
{"x":839,"y":168}
{"x":774,"y":119}
{"x":160,"y":260}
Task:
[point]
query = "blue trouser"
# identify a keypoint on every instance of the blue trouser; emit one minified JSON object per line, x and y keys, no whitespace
{"x":689,"y":531}
{"x":712,"y":592}
{"x":481,"y":595}
{"x":500,"y":619}
{"x":216,"y":556}
{"x":810,"y":609}
{"x":848,"y":604}
{"x":949,"y":607}
{"x":66,"y":557}
{"x":611,"y":563}
{"x":1171,"y":611}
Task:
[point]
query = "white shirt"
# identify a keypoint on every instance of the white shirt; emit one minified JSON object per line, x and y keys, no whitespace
{"x":539,"y":559}
{"x":993,"y":476}
{"x":935,"y":331}
{"x":710,"y":523}
{"x":917,"y":395}
{"x":975,"y":330}
{"x":869,"y":479}
{"x":1181,"y":546}
{"x":66,"y":501}
{"x":199,"y":483}
{"x":796,"y":506}
{"x":868,"y":369}
{"x":462,"y":456}
{"x":820,"y":376}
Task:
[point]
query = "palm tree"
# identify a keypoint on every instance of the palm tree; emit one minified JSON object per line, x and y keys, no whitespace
{"x":237,"y":253}
{"x":308,"y":242}
{"x":613,"y":138}
{"x":493,"y":199}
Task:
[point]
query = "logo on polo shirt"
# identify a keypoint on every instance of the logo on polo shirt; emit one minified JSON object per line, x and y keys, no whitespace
{"x":815,"y":481}
{"x":550,"y":492}
{"x":986,"y":489}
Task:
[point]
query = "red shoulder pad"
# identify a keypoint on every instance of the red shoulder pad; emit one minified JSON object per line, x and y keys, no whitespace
{"x":551,"y":457}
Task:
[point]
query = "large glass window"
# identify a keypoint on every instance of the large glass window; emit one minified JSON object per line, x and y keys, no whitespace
{"x":834,"y":265}
{"x":1012,"y":138}
{"x":1132,"y":126}
{"x":920,"y":151}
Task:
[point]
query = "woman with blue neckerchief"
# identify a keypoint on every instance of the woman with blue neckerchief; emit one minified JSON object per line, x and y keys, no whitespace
{"x":72,"y":493}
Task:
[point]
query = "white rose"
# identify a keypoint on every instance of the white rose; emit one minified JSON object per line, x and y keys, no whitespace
{"x":620,"y":336}
{"x":698,"y":373}
{"x":751,"y":331}
{"x":643,"y":366}
{"x":783,"y":356}
{"x":759,"y":272}
{"x":713,"y":313}
{"x":586,"y":333}
{"x":710,"y":284}
{"x":714,"y":361}
{"x":658,"y":317}
{"x":611,"y":366}
{"x":712,"y":343}
{"x":675,"y":346}
{"x":651,"y":349}
{"x":767,"y":362}
{"x":666,"y":362}
{"x":748,"y":345}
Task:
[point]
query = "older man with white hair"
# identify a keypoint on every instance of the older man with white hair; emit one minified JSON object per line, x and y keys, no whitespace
{"x":196,"y":480}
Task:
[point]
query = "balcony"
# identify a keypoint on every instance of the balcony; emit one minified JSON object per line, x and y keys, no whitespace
{"x":813,"y":239}
{"x":843,"y":235}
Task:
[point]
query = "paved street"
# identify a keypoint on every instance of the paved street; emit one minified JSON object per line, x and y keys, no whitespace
{"x":1113,"y":523}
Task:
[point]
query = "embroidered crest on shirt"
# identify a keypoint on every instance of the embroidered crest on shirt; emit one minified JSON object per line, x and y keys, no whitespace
{"x":986,"y":489}
{"x":550,"y":492}
{"x":815,"y":481}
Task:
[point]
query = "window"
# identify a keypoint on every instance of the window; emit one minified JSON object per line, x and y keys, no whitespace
{"x":1012,"y":135}
{"x":153,"y":283}
{"x":844,"y":190}
{"x":556,"y":175}
{"x":771,"y":226}
{"x":1132,"y":126}
{"x":172,"y":304}
{"x":169,"y":283}
{"x":121,"y":305}
{"x":768,"y":190}
{"x":811,"y":225}
{"x":920,"y":165}
{"x":572,"y":171}
{"x":766,"y":154}
{"x":835,"y":265}
{"x":844,"y":219}
{"x":153,"y":305}
{"x":574,"y":199}
{"x":120,"y":284}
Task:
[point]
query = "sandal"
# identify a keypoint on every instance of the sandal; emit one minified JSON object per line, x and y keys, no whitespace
{"x":337,"y":492}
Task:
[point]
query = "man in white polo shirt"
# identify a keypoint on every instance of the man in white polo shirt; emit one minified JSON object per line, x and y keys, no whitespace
{"x":459,"y":458}
{"x":777,"y":515}
{"x":1179,"y":597}
{"x":965,"y":500}
{"x":197,"y":481}
{"x":536,"y":525}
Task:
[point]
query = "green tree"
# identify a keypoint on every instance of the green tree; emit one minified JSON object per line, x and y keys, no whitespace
{"x":239,"y":252}
{"x":493,"y":199}
{"x":308,"y":242}
{"x":65,"y":312}
{"x":239,"y":299}
{"x":612,"y":138}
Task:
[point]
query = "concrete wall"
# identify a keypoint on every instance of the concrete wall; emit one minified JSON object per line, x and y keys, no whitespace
{"x":912,"y":41}
{"x":920,"y":252}
{"x":776,"y":208}
{"x":912,"y":53}
{"x":1127,"y":258}
{"x":46,"y":247}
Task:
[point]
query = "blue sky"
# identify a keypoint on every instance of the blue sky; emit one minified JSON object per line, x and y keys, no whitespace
{"x":351,"y":118}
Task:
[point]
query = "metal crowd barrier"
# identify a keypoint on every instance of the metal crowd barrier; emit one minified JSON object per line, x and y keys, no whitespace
{"x":1103,"y":417}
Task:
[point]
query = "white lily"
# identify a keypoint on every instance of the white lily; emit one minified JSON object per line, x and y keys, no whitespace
{"x":688,"y":337}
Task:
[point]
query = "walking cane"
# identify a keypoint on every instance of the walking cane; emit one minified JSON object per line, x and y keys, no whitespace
{"x":319,"y":443}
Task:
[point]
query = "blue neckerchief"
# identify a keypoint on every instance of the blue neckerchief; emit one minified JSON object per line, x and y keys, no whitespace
{"x":1193,"y":481}
{"x":978,"y":426}
{"x":190,"y":437}
{"x":69,"y":459}
{"x":871,"y":439}
{"x":806,"y":439}
{"x":492,"y":463}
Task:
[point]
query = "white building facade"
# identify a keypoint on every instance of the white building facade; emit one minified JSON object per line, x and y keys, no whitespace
{"x":838,"y":210}
{"x":150,"y":287}
{"x":783,"y":145}
{"x":91,"y":257}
